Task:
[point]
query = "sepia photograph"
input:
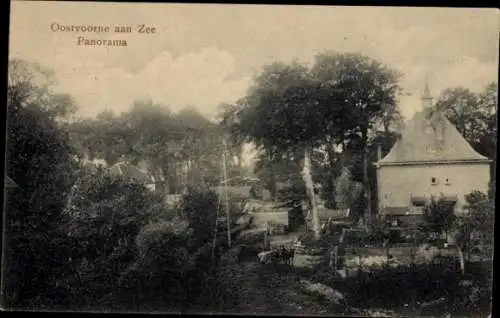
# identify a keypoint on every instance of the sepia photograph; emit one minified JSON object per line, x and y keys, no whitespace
{"x":250,"y":159}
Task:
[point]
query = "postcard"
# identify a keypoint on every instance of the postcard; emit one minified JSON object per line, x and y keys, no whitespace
{"x":250,"y":159}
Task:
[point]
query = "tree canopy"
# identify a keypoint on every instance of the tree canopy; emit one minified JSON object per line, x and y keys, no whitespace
{"x":338,"y":102}
{"x":475,"y":117}
{"x":39,"y":159}
{"x":180,"y":148}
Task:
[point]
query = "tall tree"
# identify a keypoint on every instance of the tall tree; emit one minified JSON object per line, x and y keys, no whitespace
{"x":40,"y":160}
{"x":274,"y":171}
{"x":370,"y":91}
{"x":461,"y":107}
{"x":177,"y":148}
{"x":278,"y":116}
{"x":285,"y":113}
{"x":475,"y":117}
{"x":337,"y":102}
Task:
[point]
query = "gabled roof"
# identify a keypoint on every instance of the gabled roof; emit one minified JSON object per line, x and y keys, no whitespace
{"x":431,"y":138}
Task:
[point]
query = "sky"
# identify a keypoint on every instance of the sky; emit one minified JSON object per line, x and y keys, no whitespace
{"x":203,"y":55}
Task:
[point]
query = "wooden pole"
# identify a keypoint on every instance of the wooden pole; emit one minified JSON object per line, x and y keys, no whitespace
{"x":215,"y":237}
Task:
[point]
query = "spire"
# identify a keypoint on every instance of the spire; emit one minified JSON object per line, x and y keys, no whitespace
{"x":426,"y":96}
{"x":427,"y":93}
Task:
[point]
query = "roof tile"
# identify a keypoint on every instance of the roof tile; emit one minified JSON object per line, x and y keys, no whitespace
{"x":429,"y":140}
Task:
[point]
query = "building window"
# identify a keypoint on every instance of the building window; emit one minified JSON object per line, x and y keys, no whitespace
{"x":433,"y":181}
{"x":447,"y":181}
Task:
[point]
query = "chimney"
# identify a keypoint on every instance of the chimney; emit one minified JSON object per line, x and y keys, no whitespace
{"x":379,"y":152}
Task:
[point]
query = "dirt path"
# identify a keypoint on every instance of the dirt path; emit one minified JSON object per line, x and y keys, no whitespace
{"x":264,"y":289}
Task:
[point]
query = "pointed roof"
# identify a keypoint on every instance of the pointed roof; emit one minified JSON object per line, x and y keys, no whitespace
{"x":431,"y":138}
{"x":427,"y":92}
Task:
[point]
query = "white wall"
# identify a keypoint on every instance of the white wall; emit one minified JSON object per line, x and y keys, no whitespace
{"x":260,"y":218}
{"x":398,"y":183}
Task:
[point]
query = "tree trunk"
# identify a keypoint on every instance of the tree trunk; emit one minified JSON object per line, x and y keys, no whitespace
{"x":366,"y":183}
{"x":307,"y":177}
{"x":461,"y":259}
{"x":330,"y":185}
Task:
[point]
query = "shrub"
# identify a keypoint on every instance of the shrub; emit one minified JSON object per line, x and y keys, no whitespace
{"x":293,"y":194}
{"x":199,"y":207}
{"x":162,"y":246}
{"x":160,"y":259}
{"x":107,"y":214}
{"x":439,"y":215}
{"x":391,"y":286}
{"x":39,"y":160}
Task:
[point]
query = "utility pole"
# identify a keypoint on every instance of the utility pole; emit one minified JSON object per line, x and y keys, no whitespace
{"x":226,"y":198}
{"x":216,"y":232}
{"x":214,"y":242}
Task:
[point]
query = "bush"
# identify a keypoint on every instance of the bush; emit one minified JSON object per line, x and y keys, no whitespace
{"x":296,"y":217}
{"x":293,"y":194}
{"x":107,"y":215}
{"x":39,"y":160}
{"x":391,"y":286}
{"x":199,"y":207}
{"x":160,"y":265}
{"x":439,"y":215}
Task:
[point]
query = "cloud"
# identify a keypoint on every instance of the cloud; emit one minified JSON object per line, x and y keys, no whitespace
{"x":462,"y":71}
{"x":202,"y":60}
{"x":197,"y":78}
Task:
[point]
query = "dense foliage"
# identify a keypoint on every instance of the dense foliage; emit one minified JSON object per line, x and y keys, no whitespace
{"x":474,"y":231}
{"x":199,"y":208}
{"x":416,"y":288}
{"x":39,"y":159}
{"x":439,"y":215}
{"x":179,"y":149}
{"x":292,"y":112}
{"x":474,"y":114}
{"x":79,"y":237}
